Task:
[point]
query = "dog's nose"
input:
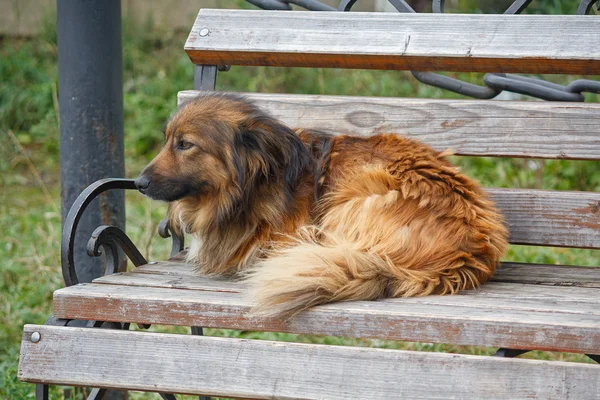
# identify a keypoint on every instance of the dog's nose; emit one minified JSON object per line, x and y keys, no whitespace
{"x":142,"y":183}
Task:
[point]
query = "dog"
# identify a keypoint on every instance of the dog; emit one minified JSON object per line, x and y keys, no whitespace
{"x":307,"y":218}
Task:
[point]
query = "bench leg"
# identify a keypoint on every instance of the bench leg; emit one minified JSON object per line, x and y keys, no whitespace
{"x":41,"y":392}
{"x":205,"y":77}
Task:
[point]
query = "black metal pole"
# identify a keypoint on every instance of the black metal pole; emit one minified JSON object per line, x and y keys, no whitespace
{"x":90,"y":89}
{"x":90,"y":77}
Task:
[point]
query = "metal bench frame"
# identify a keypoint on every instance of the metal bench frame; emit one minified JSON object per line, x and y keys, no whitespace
{"x":113,"y":240}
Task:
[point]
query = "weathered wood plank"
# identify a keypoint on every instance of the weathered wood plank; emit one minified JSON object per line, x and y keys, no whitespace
{"x":175,"y":268}
{"x":498,"y":315}
{"x":477,"y":128}
{"x":550,"y":275}
{"x":187,"y":280}
{"x":266,"y":370}
{"x":182,"y":276}
{"x":550,"y":218}
{"x":499,"y":295}
{"x":424,"y":42}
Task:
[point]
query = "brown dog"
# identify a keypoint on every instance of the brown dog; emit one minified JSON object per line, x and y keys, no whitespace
{"x":309,"y":218}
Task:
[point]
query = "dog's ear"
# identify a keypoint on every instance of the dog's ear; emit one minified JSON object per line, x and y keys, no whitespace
{"x":269,"y":150}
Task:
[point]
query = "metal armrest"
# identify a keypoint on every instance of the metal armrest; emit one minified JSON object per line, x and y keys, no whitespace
{"x":108,"y":237}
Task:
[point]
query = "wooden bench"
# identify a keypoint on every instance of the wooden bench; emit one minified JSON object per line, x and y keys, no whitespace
{"x":525,"y":307}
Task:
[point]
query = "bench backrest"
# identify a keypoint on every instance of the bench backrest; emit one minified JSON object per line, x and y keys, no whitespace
{"x":489,"y":43}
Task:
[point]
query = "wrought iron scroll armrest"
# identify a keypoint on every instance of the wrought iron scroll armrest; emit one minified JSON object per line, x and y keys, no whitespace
{"x":72,"y":220}
{"x":165,"y":231}
{"x":110,"y":238}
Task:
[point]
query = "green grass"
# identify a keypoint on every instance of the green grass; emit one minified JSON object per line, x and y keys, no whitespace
{"x":155,"y":69}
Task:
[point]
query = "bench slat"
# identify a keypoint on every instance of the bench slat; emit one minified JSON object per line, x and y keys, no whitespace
{"x":499,"y":315}
{"x":550,"y":218}
{"x":550,"y":275}
{"x":266,"y":370}
{"x":424,"y":42}
{"x":503,"y":295}
{"x":174,"y":276}
{"x":553,"y":130}
{"x":180,"y":275}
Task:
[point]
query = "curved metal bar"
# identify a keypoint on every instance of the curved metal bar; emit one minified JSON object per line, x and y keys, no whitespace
{"x":583,"y":85}
{"x":311,"y":5}
{"x":534,"y":81}
{"x":452,"y":84}
{"x":346,"y":5}
{"x":111,"y":237}
{"x":517,"y":7}
{"x":437,"y":6}
{"x":72,"y":220}
{"x":456,"y":85}
{"x":270,"y":4}
{"x":531,"y":87}
{"x":165,"y":231}
{"x":575,"y":87}
{"x":111,"y":253}
{"x":401,"y":6}
{"x":586,"y":6}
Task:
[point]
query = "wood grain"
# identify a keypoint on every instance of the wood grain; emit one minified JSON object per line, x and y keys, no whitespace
{"x":499,"y":315}
{"x":549,"y":275}
{"x":517,"y":296}
{"x":550,"y":218}
{"x":187,"y":279}
{"x":183,"y":276}
{"x":556,"y":130}
{"x":500,"y":295}
{"x":275,"y":370}
{"x":424,"y":42}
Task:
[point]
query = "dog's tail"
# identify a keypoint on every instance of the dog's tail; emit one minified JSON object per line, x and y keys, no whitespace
{"x":308,"y":274}
{"x":314,"y":272}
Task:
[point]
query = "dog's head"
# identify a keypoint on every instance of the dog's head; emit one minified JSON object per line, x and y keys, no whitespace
{"x":222,"y":143}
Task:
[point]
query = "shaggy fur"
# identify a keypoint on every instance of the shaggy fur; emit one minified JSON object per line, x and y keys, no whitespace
{"x":307,"y":218}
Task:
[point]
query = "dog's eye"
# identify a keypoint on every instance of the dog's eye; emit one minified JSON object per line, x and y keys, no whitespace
{"x":183,"y":145}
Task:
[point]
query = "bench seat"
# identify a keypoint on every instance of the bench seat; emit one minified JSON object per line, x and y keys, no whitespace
{"x":527,"y":306}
